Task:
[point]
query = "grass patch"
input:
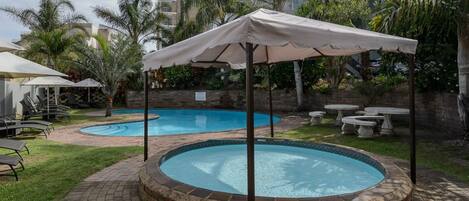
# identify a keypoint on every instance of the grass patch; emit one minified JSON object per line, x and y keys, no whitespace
{"x":78,"y":116}
{"x":429,"y":154}
{"x":53,"y":169}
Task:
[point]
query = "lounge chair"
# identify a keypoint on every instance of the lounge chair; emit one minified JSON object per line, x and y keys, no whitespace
{"x":43,"y":104}
{"x":44,"y":107}
{"x":29,"y":110}
{"x":73,"y":101}
{"x":14,"y":145}
{"x":12,"y":162}
{"x":4,"y":125}
{"x":11,"y":118}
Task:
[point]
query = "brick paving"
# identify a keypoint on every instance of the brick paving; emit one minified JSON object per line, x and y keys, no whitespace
{"x":119,"y":182}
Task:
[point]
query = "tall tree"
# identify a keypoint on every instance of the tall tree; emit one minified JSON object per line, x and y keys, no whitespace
{"x":140,"y":20}
{"x":434,"y":23}
{"x":218,"y":12}
{"x":110,"y":63}
{"x":53,"y":47}
{"x":278,"y":5}
{"x":463,"y":46}
{"x":50,"y":16}
{"x":354,"y":13}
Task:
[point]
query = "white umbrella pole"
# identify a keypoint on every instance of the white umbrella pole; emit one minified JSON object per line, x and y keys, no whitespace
{"x":33,"y":92}
{"x":47,"y":100}
{"x":89,"y":96}
{"x":56,"y":93}
{"x":4,"y":113}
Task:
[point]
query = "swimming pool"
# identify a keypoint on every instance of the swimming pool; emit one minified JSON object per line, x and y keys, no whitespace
{"x":281,"y":171}
{"x":284,"y":170}
{"x":180,"y":121}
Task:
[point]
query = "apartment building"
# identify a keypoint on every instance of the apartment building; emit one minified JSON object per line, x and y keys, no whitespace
{"x":92,"y":29}
{"x":172,"y":9}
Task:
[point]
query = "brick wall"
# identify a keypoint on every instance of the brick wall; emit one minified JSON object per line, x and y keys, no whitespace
{"x":433,"y":110}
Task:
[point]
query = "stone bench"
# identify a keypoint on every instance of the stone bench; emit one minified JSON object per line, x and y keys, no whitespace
{"x":365,"y":113}
{"x":316,"y":117}
{"x":366,"y":123}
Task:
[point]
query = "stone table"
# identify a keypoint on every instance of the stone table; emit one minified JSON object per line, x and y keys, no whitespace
{"x":340,"y":108}
{"x":387,"y":128}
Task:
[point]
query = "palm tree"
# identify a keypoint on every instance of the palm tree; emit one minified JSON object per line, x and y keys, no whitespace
{"x":218,"y":12}
{"x":278,"y":5}
{"x":51,"y":46}
{"x":140,"y":20}
{"x":110,"y":63}
{"x":430,"y":21}
{"x":354,"y":13}
{"x":50,"y":15}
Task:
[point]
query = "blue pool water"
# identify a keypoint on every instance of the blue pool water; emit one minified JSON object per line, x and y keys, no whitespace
{"x":281,"y":171}
{"x":180,"y":121}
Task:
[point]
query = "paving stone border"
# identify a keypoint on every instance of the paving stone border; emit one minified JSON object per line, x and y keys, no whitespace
{"x":154,"y":185}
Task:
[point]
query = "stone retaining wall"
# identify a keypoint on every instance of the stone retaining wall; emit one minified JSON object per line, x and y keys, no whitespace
{"x":433,"y":110}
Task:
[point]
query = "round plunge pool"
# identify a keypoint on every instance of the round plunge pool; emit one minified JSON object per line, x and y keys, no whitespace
{"x":283,"y":169}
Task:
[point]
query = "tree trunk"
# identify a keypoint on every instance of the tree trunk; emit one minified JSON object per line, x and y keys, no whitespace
{"x":365,"y":62}
{"x":50,"y":64}
{"x":109,"y":106}
{"x":463,"y":57}
{"x":298,"y":84}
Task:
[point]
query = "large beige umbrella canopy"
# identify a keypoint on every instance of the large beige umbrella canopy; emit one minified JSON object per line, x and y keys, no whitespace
{"x":7,"y":46}
{"x":277,"y":37}
{"x":267,"y":37}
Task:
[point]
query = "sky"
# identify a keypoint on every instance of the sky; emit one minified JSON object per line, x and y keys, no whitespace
{"x":10,"y":29}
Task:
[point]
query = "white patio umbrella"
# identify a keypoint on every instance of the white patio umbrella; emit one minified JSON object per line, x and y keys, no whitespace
{"x":89,"y":83}
{"x":267,"y":37}
{"x":12,"y":66}
{"x":50,"y":81}
{"x":7,"y":46}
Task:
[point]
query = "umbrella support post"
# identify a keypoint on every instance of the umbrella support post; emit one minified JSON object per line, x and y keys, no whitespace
{"x":250,"y":121}
{"x":145,"y":132}
{"x":47,"y":100}
{"x":412,"y":119}
{"x":270,"y":103}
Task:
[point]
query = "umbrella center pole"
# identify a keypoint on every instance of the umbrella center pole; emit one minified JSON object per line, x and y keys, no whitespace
{"x":250,"y":121}
{"x":271,"y":118}
{"x":145,"y":122}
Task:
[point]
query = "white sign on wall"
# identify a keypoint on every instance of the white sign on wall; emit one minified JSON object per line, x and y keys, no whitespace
{"x":201,"y":96}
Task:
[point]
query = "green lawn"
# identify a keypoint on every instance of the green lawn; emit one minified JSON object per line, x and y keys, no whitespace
{"x":429,"y":154}
{"x":78,"y":117}
{"x":53,"y":169}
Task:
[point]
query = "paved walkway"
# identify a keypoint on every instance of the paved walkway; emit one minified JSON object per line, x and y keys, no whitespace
{"x":119,"y":182}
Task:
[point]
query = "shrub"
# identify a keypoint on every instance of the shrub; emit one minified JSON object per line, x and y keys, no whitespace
{"x":179,"y":77}
{"x":377,"y":87}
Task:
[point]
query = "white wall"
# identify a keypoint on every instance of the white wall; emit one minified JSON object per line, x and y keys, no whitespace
{"x":12,"y":93}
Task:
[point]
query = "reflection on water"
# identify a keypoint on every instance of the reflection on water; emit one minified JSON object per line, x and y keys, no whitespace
{"x":281,"y":171}
{"x":181,"y":121}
